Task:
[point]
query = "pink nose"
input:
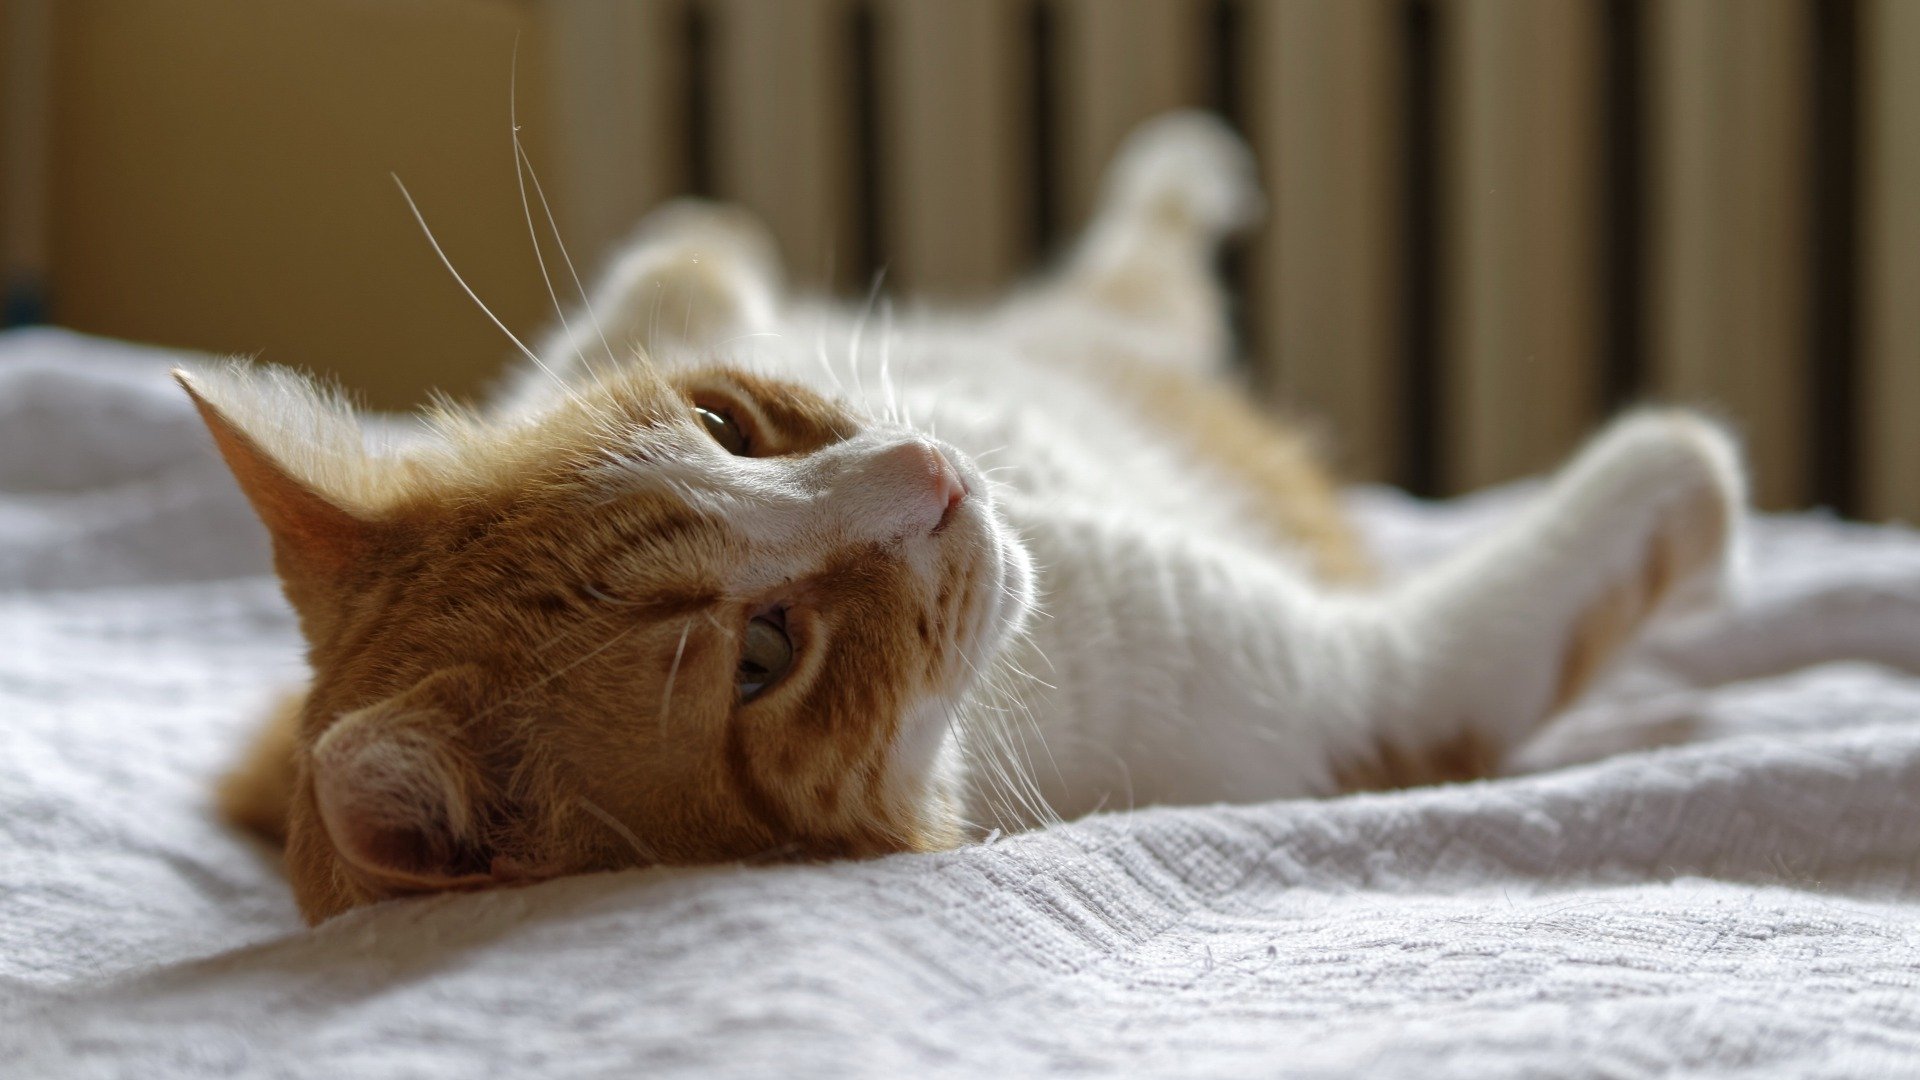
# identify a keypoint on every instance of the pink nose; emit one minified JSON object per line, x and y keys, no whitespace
{"x":922,"y":470}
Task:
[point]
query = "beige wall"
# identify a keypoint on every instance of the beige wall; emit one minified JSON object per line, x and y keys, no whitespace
{"x":220,"y":180}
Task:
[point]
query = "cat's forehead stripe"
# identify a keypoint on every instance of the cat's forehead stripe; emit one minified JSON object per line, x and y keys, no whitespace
{"x":664,"y":525}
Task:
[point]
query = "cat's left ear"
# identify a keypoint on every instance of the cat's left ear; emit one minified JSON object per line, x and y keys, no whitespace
{"x":400,"y":794}
{"x":284,"y":440}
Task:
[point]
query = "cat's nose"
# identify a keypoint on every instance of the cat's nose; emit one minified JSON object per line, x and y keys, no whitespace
{"x":929,"y":487}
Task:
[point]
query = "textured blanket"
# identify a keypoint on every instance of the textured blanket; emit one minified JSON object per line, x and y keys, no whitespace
{"x":1740,"y":900}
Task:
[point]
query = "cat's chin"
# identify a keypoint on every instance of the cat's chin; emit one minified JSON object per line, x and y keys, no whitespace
{"x":1012,"y":600}
{"x":929,"y":757}
{"x":975,"y":547}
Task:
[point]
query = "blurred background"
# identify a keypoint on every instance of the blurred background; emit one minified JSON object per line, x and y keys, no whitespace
{"x":1493,"y":221}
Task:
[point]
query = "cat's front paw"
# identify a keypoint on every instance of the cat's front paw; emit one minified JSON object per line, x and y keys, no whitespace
{"x":695,"y":274}
{"x":717,"y":231}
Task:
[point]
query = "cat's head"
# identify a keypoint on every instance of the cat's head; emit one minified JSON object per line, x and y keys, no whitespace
{"x":677,"y":617}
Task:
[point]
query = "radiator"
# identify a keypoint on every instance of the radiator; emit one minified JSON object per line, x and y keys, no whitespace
{"x":1493,"y":222}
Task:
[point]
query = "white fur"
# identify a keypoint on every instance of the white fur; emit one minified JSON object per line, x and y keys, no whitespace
{"x":1177,"y":656}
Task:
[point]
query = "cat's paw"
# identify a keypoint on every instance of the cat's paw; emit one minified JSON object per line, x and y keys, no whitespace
{"x":704,"y":228}
{"x":1187,"y":169}
{"x":1508,"y":633}
{"x":695,"y":274}
{"x":1665,"y":491}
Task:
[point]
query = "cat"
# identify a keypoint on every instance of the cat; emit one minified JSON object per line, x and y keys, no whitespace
{"x":726,"y":575}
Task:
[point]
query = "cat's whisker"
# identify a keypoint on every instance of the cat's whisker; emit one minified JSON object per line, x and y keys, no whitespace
{"x":1016,"y":600}
{"x":886,"y":361}
{"x":1021,"y":784}
{"x":995,"y":789}
{"x":826,"y":365}
{"x":586,"y":302}
{"x":995,"y":801}
{"x":1041,"y":809}
{"x":572,"y":633}
{"x":1019,"y":771}
{"x":965,"y":718}
{"x":906,"y":408}
{"x":1018,"y":703}
{"x":1016,"y":804}
{"x":859,"y":332}
{"x":475,"y":297}
{"x":549,"y":677}
{"x":666,"y":695}
{"x":1027,"y":638}
{"x":1025,"y":674}
{"x":523,"y":169}
{"x":1046,"y":748}
{"x":591,"y":590}
{"x":955,"y":725}
{"x":521,"y":158}
{"x":520,"y":167}
{"x":647,"y":855}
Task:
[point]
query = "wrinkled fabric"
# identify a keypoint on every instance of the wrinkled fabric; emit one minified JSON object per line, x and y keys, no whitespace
{"x":1741,"y":902}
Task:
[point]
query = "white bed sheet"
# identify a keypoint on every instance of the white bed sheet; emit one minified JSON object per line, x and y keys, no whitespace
{"x":1743,"y":905}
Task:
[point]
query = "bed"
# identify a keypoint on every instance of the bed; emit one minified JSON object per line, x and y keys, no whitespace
{"x":1708,"y":868}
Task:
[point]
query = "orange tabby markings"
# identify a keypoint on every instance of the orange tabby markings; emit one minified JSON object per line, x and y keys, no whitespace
{"x":541,"y":600}
{"x":1392,"y":764}
{"x":1289,"y":488}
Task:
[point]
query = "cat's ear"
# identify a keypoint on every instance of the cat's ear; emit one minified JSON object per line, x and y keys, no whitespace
{"x":283,"y":438}
{"x":400,"y":795}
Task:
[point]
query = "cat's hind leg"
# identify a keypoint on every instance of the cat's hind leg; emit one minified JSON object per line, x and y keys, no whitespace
{"x":1212,"y":675}
{"x":1511,"y":630}
{"x":1180,"y":184}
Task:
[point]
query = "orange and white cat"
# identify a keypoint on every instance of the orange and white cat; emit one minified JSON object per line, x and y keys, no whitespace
{"x":733,"y":576}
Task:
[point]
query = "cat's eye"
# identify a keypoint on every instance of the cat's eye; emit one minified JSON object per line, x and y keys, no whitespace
{"x":765,"y":655}
{"x":724,"y":431}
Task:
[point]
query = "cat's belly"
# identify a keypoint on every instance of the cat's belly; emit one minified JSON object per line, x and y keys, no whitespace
{"x":1158,"y":670}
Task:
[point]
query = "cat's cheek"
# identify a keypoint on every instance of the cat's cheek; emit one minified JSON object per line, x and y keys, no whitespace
{"x":1011,"y":604}
{"x":1020,"y":579}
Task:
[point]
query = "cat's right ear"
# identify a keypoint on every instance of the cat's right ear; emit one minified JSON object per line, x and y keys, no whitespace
{"x":276,"y":432}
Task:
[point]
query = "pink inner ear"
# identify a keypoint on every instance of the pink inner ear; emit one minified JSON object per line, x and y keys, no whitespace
{"x":396,"y":851}
{"x":390,"y":805}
